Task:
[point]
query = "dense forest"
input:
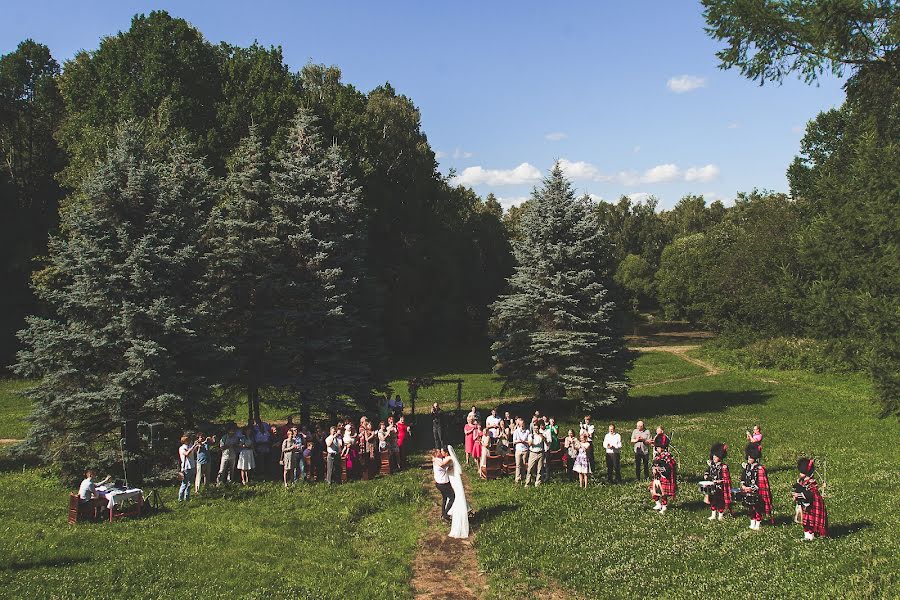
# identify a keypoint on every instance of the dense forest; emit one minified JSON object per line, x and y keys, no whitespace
{"x":187,"y":155}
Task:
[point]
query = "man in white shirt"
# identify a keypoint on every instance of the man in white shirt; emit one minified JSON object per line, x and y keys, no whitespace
{"x":440,"y":464}
{"x":588,"y":428}
{"x":612,"y":441}
{"x":520,"y":439}
{"x":492,"y":424}
{"x":87,"y":491}
{"x":333,"y":447}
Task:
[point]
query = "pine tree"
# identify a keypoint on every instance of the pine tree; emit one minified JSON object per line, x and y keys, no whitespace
{"x":241,"y":243}
{"x":558,"y":329}
{"x":124,"y":338}
{"x":319,"y":268}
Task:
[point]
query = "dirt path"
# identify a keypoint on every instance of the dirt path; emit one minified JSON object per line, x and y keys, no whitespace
{"x":9,"y":441}
{"x":682,"y":353}
{"x":445,"y":568}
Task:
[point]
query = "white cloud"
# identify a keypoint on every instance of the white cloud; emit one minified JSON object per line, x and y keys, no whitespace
{"x":734,"y":125}
{"x":457,"y":154}
{"x":511,"y":201}
{"x":661,"y":174}
{"x":524,"y":173}
{"x":685,"y":83}
{"x":705,"y":173}
{"x":579,"y":169}
{"x":555,"y":136}
{"x":636,"y":149}
{"x":595,"y":198}
{"x":639,"y":196}
{"x":439,"y":154}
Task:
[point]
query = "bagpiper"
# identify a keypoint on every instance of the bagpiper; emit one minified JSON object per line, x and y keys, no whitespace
{"x":810,"y":504}
{"x":717,"y":473}
{"x":755,"y":491}
{"x":665,"y":482}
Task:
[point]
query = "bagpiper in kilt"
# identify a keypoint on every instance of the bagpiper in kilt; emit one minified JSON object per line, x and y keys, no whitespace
{"x":717,"y":471}
{"x":810,"y":502}
{"x":755,"y":487}
{"x":664,"y":484}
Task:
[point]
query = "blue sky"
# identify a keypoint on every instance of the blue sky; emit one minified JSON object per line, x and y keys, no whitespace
{"x":626,"y":94}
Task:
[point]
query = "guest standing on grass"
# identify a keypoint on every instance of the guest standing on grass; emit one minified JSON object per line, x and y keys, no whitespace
{"x":570,"y":444}
{"x":188,"y":467}
{"x":437,"y":426}
{"x":478,"y":449}
{"x":809,"y":501}
{"x":492,"y":424}
{"x":246,"y":461}
{"x":582,"y":464}
{"x":468,"y":435}
{"x":404,"y":432}
{"x":640,"y":437}
{"x":333,"y":448}
{"x":612,"y":442}
{"x":588,"y":428}
{"x":204,"y":461}
{"x":536,"y":448}
{"x":755,"y":484}
{"x":520,"y":439}
{"x":230,"y":446}
{"x":289,"y":453}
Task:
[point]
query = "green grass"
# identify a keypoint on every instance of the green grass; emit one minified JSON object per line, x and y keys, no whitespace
{"x":651,"y":367}
{"x":607,"y":537}
{"x":257,"y":542}
{"x":14,"y":408}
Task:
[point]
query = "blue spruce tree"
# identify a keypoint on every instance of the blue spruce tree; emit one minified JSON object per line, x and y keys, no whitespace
{"x":558,"y":331}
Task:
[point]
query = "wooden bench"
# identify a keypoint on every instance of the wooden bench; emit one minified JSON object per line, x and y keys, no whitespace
{"x":508,"y":463}
{"x":493,"y":467}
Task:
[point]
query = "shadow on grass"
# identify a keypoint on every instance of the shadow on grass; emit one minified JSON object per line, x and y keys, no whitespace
{"x":485,"y":515}
{"x":847,"y":529}
{"x":62,"y":561}
{"x":677,"y":404}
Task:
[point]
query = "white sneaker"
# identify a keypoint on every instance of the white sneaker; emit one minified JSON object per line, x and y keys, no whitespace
{"x":712,"y":516}
{"x":721,"y":516}
{"x":658,"y":505}
{"x":808,"y":535}
{"x":663,"y":509}
{"x":752,"y":523}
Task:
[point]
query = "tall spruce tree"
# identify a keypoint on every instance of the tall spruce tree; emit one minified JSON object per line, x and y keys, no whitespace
{"x":318,"y":268}
{"x":240,"y":243}
{"x":558,"y":329}
{"x":124,"y":339}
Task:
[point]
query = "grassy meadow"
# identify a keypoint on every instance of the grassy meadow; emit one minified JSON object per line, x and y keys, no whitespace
{"x":604,"y":542}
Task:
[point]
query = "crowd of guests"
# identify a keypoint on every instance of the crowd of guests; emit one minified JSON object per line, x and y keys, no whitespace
{"x":532,"y":444}
{"x":529,"y":446}
{"x":294,"y":453}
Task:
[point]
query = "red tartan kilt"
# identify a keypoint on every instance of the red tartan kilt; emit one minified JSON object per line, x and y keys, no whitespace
{"x":815,"y":518}
{"x":668,"y":487}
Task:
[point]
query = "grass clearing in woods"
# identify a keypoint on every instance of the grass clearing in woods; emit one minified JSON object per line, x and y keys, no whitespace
{"x":607,"y":538}
{"x":262,"y":541}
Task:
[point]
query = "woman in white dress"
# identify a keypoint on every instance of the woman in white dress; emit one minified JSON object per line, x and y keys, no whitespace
{"x":246,"y":461}
{"x":459,"y":512}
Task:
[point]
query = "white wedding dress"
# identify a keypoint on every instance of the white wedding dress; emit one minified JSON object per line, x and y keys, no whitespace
{"x":459,"y":512}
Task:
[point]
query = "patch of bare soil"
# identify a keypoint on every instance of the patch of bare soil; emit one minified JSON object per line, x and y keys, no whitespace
{"x":445,"y":568}
{"x":9,"y":441}
{"x":668,"y":338}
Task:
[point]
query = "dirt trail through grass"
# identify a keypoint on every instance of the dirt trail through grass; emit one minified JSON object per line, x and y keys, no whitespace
{"x":682,"y":353}
{"x":445,"y":568}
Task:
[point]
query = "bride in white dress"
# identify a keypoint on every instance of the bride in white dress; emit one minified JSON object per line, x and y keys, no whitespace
{"x":459,"y":512}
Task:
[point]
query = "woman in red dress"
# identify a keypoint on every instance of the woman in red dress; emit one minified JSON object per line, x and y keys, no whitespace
{"x":468,"y":429}
{"x":475,"y":441}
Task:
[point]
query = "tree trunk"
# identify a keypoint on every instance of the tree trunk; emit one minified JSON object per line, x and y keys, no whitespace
{"x":252,"y":402}
{"x":304,"y":409}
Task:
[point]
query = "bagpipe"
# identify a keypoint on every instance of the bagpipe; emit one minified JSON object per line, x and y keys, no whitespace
{"x":804,"y":495}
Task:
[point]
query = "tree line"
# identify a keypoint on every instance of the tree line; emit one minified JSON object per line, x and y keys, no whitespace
{"x":203,"y":224}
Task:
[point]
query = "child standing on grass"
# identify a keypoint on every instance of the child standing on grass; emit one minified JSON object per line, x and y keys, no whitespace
{"x":755,"y":482}
{"x":582,"y":463}
{"x":717,"y":472}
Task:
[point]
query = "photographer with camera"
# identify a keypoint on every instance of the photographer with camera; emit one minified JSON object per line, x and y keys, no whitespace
{"x":188,"y":467}
{"x":204,"y":460}
{"x":230,"y":444}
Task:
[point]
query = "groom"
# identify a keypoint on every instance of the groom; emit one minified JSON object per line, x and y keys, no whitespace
{"x":440,"y":463}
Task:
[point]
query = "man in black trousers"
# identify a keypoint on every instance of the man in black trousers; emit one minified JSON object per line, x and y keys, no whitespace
{"x":440,"y":463}
{"x":436,"y":417}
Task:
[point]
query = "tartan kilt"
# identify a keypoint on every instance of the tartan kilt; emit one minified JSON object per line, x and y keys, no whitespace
{"x":765,"y":494}
{"x":726,"y":486}
{"x":815,"y":518}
